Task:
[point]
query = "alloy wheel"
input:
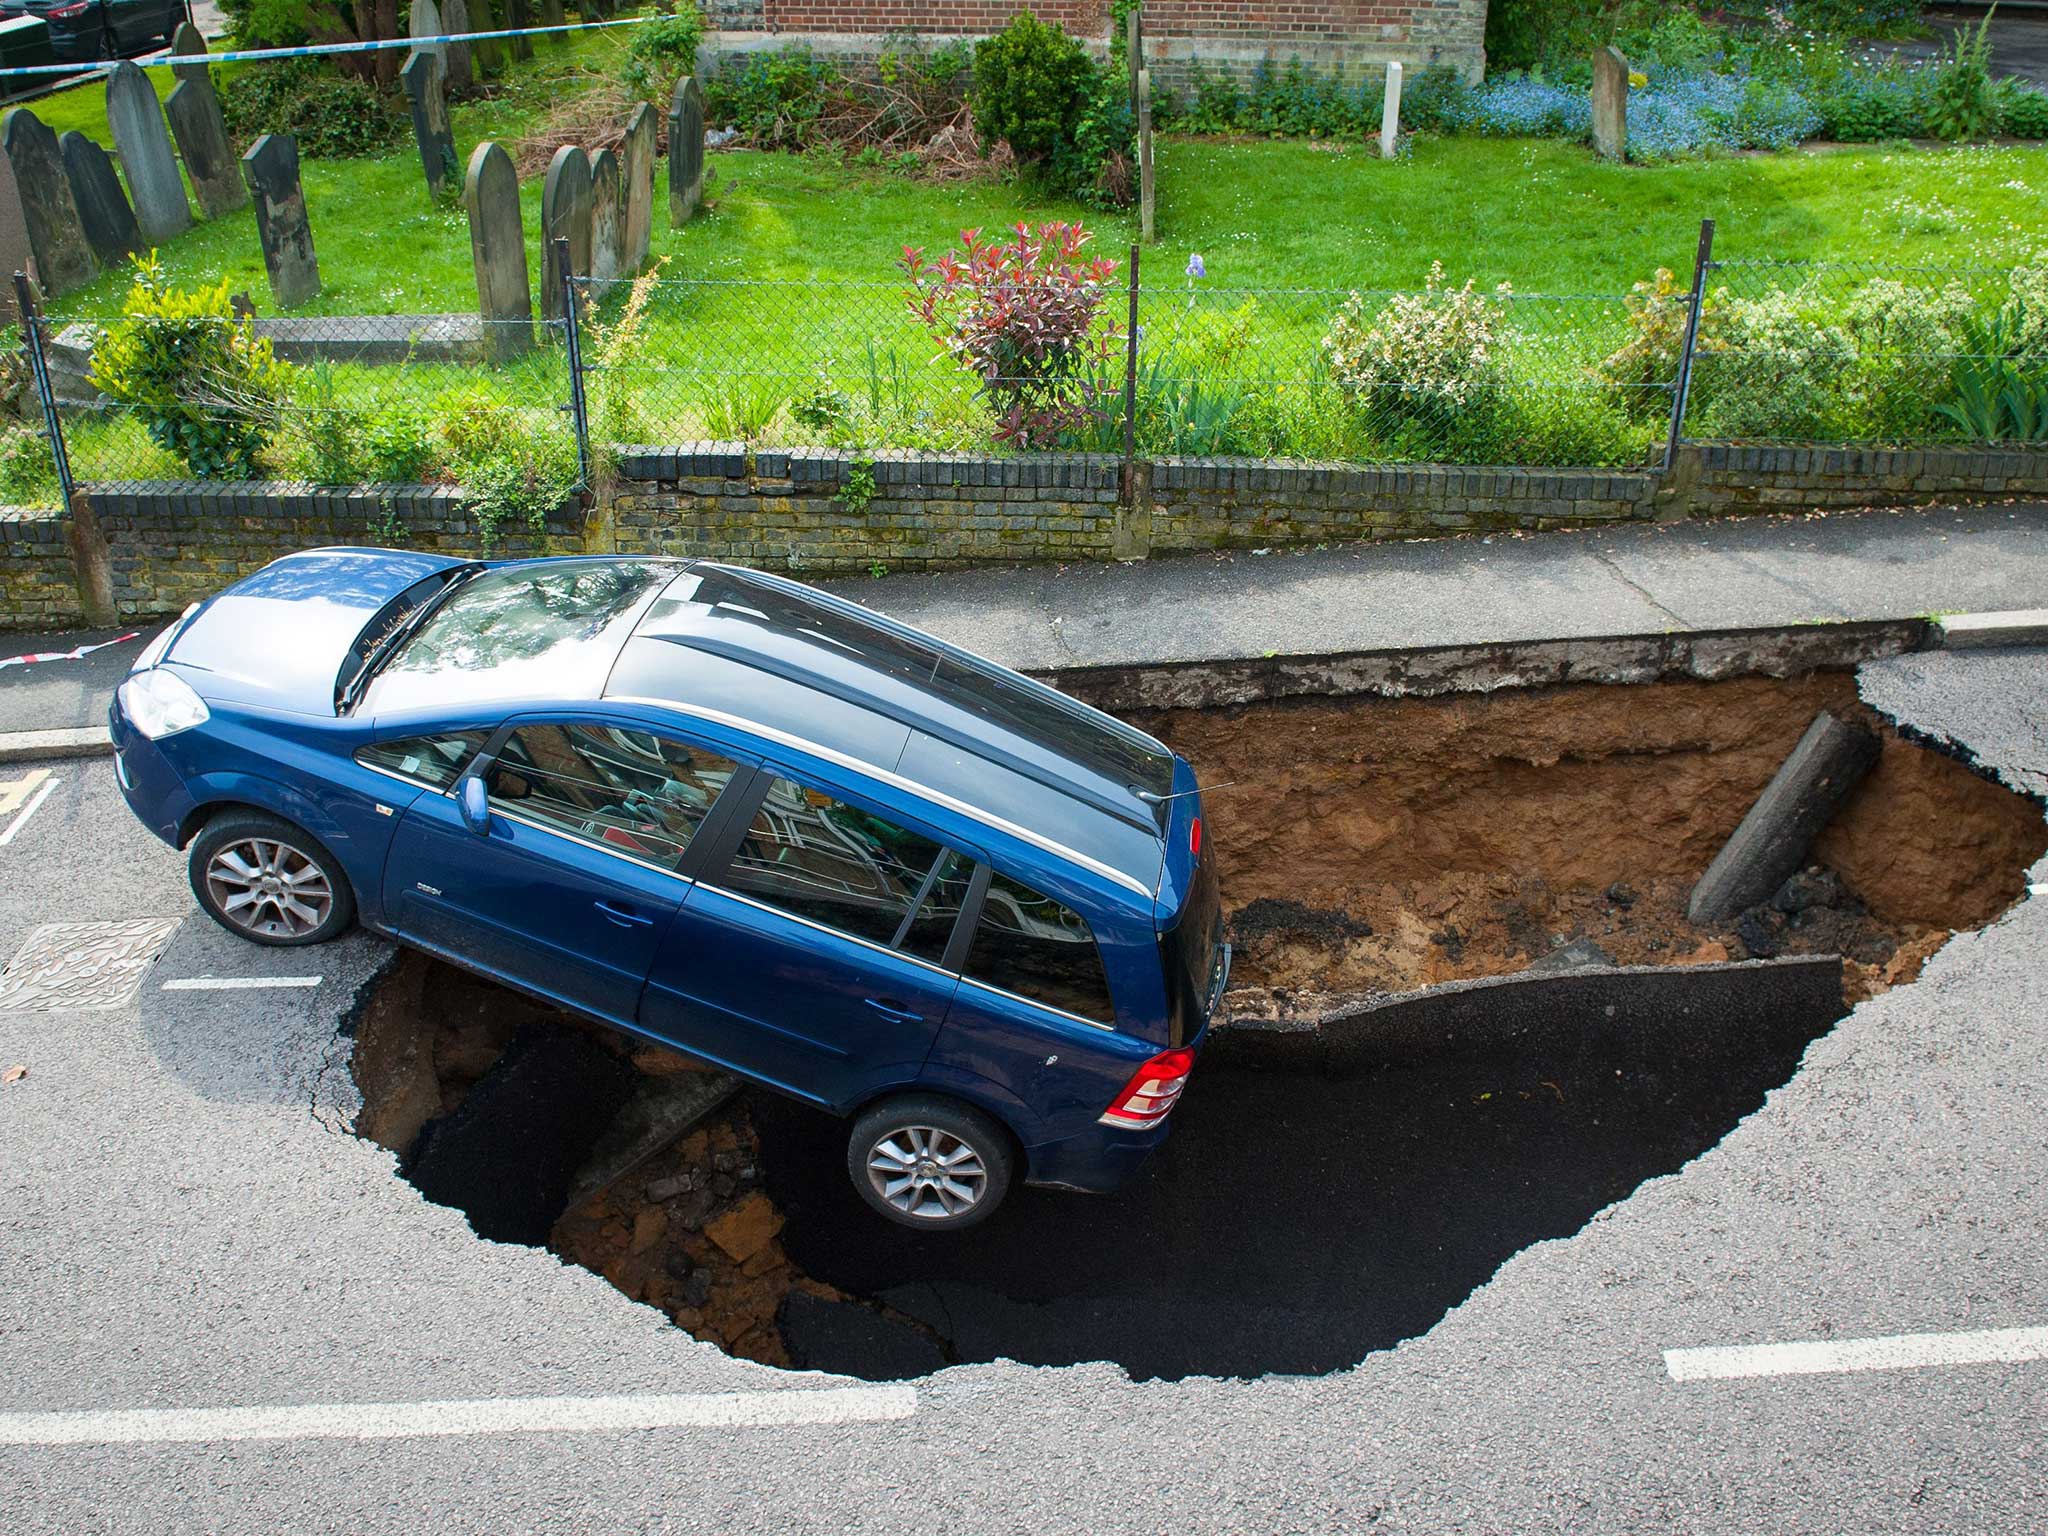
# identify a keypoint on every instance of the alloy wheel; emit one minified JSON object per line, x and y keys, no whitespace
{"x":269,"y":887}
{"x":926,"y":1172}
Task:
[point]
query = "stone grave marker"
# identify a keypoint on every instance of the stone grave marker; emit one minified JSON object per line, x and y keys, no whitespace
{"x":607,"y":222}
{"x":271,"y":167}
{"x":497,"y":245}
{"x":685,"y":150}
{"x":194,"y":113}
{"x":423,"y":87}
{"x":188,"y":54}
{"x":1610,"y":104}
{"x":56,"y":238}
{"x":564,"y":215}
{"x":425,"y":21}
{"x":636,"y":171}
{"x":519,"y":15}
{"x":457,"y":61}
{"x":1390,"y":113}
{"x":103,"y":209}
{"x":487,"y":53}
{"x":144,"y":145}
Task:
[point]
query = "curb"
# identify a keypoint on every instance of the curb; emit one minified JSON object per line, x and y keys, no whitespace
{"x":1980,"y":631}
{"x":32,"y":746}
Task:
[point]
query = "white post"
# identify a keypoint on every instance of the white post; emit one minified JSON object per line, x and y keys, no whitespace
{"x":1390,"y":115}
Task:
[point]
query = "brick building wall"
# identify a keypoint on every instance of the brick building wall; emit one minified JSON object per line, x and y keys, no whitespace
{"x":1328,"y":33}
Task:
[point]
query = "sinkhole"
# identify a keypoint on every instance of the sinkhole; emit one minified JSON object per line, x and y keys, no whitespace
{"x":1468,"y":1011}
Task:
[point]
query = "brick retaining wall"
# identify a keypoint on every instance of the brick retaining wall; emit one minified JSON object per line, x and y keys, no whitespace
{"x":166,"y":544}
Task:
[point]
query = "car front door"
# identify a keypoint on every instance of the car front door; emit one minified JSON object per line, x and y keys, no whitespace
{"x":570,"y":887}
{"x":814,"y":955}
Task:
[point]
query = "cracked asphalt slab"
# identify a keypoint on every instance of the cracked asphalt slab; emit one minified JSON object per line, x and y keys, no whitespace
{"x":182,"y":1228}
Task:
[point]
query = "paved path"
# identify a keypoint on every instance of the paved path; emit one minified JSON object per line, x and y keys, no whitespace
{"x":1726,"y":574}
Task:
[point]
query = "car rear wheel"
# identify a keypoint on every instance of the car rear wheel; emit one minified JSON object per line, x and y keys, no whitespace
{"x":930,"y":1163}
{"x":264,"y":879}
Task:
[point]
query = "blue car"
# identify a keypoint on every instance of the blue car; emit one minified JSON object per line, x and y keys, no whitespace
{"x":721,"y":810}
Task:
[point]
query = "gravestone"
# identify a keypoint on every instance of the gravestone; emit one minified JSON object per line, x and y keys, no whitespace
{"x":685,"y":150}
{"x":422,"y":77}
{"x":497,"y":246}
{"x":188,"y":54}
{"x":425,"y":21}
{"x":607,"y":222}
{"x":194,"y":113}
{"x":564,"y":215}
{"x":636,"y":171}
{"x":461,"y":70}
{"x":144,"y":145}
{"x":1610,"y":104}
{"x":518,"y":17}
{"x":1390,"y":113}
{"x":487,"y":54}
{"x":271,"y":167}
{"x":103,"y":210}
{"x":56,"y":238}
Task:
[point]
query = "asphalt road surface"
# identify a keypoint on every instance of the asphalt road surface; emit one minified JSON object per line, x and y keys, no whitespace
{"x":220,"y":1311}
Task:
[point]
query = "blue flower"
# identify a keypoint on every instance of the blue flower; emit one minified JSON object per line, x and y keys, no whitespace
{"x":1195,"y":267}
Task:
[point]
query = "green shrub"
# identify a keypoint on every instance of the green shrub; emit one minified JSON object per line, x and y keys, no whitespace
{"x":662,"y":51}
{"x":395,"y":446}
{"x":28,"y":475}
{"x":1440,"y":100}
{"x":775,"y":99}
{"x":332,"y":116}
{"x":205,"y":386}
{"x":1963,"y":103}
{"x":1862,"y":106}
{"x":1422,"y":355}
{"x":328,"y":445}
{"x":2000,"y":392}
{"x":1646,"y":365}
{"x":1773,"y":370}
{"x":1904,"y":338}
{"x":2022,"y":110}
{"x":1568,"y":426}
{"x":514,"y":463}
{"x":1032,"y":84}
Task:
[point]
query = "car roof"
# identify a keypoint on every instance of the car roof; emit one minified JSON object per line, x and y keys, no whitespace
{"x":790,"y":663}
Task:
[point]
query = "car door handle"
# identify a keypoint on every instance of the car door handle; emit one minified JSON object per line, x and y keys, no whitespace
{"x":894,"y":1012}
{"x":625,"y":917}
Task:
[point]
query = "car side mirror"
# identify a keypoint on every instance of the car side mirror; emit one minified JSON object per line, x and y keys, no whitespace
{"x":475,"y":801}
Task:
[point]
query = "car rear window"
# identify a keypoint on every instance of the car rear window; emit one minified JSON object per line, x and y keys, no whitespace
{"x":630,"y":791}
{"x":814,"y":856}
{"x":1038,"y":949}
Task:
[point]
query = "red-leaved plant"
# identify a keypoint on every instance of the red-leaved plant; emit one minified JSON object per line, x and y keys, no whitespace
{"x":1021,"y":314}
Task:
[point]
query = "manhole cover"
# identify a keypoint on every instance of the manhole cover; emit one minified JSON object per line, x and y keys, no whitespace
{"x":82,"y":965}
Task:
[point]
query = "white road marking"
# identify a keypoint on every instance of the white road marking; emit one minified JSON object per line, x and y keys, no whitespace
{"x":2037,"y":890}
{"x":485,"y":1416}
{"x":35,"y":804}
{"x":236,"y":983}
{"x":1895,"y":1352}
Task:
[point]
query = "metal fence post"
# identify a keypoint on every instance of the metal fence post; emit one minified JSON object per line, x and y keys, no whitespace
{"x":1131,"y":388}
{"x":579,"y":410}
{"x":1702,"y":264}
{"x":39,"y":369}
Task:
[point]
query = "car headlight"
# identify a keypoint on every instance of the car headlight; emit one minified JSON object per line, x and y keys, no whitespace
{"x":159,"y":703}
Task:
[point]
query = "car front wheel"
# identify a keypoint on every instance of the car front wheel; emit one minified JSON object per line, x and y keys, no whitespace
{"x":928,"y":1162}
{"x":264,"y":879}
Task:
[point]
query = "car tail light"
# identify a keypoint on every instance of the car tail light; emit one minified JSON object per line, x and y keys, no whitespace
{"x":68,"y":11}
{"x":1148,"y":1098}
{"x":1195,"y":839}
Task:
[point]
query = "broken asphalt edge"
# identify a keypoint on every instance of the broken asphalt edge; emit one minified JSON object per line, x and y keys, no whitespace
{"x":1776,"y":650}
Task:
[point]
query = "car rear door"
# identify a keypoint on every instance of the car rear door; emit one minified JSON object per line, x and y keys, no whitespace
{"x":812,"y":951}
{"x":584,"y":863}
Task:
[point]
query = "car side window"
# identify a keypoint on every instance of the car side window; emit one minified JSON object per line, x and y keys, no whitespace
{"x":1039,"y":949}
{"x":435,"y":761}
{"x":632,"y":791}
{"x":835,"y":864}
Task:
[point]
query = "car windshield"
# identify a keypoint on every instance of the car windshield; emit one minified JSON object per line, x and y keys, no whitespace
{"x":536,"y":631}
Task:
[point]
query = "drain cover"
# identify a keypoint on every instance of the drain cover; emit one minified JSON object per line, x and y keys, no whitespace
{"x":82,"y":965}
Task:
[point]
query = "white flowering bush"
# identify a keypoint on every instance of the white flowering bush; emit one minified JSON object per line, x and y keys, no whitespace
{"x":1425,"y":354}
{"x":2028,"y":293}
{"x":1904,"y":338}
{"x":1774,"y":370}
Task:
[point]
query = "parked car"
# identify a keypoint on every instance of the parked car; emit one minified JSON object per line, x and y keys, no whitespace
{"x":84,"y":30}
{"x":722,"y":810}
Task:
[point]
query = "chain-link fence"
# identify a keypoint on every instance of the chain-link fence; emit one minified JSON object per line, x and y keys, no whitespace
{"x":1865,"y":352}
{"x":1174,"y":366}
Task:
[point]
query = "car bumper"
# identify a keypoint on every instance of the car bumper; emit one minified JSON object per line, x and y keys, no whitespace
{"x":1094,"y":1162}
{"x":150,"y":785}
